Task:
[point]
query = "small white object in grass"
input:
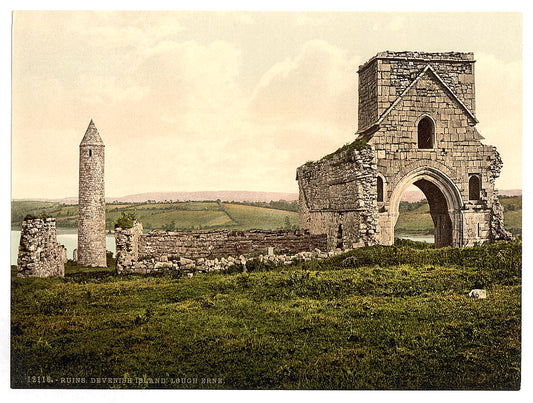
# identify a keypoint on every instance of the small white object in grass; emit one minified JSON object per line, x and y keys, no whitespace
{"x":478,"y":294}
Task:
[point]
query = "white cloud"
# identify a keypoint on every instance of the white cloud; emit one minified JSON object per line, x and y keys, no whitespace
{"x":499,"y":110}
{"x":174,"y":112}
{"x":187,"y":78}
{"x":318,"y":84}
{"x":178,"y":118}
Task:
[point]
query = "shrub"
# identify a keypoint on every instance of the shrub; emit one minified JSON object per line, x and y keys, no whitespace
{"x":126,"y":220}
{"x":348,"y":149}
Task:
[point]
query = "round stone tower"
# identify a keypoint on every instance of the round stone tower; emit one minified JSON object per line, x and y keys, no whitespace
{"x":91,"y":200}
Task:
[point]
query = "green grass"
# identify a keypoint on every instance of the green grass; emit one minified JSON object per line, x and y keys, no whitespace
{"x":248,"y":217}
{"x":362,"y":320}
{"x":512,"y":213}
{"x":169,"y":216}
{"x":414,"y":218}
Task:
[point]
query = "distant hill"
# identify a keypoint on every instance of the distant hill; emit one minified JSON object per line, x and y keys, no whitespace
{"x":224,"y":195}
{"x":510,"y":192}
{"x":186,"y":215}
{"x":413,"y":196}
{"x":229,"y":195}
{"x":414,"y":217}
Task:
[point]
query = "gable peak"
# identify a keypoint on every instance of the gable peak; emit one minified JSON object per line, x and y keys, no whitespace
{"x":91,"y":137}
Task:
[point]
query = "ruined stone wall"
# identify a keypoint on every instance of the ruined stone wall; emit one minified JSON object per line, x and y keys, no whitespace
{"x":159,"y":249}
{"x":338,"y":197}
{"x":39,"y":253}
{"x":127,"y":247}
{"x":397,"y":91}
{"x":368,"y":95}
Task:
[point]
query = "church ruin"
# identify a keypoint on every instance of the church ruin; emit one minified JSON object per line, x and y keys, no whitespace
{"x":417,"y":126}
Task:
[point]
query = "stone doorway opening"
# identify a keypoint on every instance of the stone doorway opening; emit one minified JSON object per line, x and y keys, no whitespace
{"x":429,"y":217}
{"x":443,"y":205}
{"x":414,"y":220}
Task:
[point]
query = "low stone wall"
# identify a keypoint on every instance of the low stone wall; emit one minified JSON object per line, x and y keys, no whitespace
{"x":39,"y":253}
{"x":137,"y":252}
{"x":189,"y":267}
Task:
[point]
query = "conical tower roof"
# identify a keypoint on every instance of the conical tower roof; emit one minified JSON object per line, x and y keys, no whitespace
{"x":92,"y":137}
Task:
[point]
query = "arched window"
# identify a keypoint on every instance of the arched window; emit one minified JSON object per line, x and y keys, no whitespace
{"x":474,"y":187}
{"x":426,"y":131}
{"x":380,"y":189}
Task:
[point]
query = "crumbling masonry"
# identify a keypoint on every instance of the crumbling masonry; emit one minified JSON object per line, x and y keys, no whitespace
{"x":206,"y":250}
{"x":416,"y":126}
{"x":39,"y":253}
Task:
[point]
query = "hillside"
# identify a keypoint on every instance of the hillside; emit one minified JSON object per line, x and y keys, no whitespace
{"x":167,"y":216}
{"x":414,"y":217}
{"x":229,"y":195}
{"x":374,"y":318}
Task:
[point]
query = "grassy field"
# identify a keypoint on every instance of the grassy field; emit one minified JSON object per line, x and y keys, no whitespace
{"x":414,"y":218}
{"x":374,"y":318}
{"x":512,"y":213}
{"x":169,"y":216}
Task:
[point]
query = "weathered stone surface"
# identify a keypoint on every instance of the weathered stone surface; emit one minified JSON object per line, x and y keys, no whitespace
{"x":338,"y":198}
{"x":417,"y":120}
{"x":39,"y":253}
{"x":478,"y":294}
{"x":91,"y":200}
{"x":188,"y":251}
{"x":127,"y":248}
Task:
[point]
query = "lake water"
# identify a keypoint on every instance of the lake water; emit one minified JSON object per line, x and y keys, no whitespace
{"x":418,"y":238}
{"x":69,"y":238}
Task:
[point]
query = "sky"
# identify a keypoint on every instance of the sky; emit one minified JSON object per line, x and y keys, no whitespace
{"x":195,"y":101}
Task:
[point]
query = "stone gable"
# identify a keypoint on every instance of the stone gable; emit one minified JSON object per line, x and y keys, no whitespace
{"x":416,"y":112}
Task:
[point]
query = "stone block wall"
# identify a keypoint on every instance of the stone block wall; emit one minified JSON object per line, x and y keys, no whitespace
{"x":457,"y":153}
{"x":338,"y":197}
{"x":137,"y":252}
{"x":390,"y":73}
{"x":417,"y":115}
{"x":127,"y":247}
{"x":39,"y":253}
{"x":368,"y":95}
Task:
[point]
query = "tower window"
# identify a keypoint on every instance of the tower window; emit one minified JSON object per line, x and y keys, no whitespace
{"x":474,"y":187}
{"x":90,"y":153}
{"x":426,"y":132}
{"x":380,"y":189}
